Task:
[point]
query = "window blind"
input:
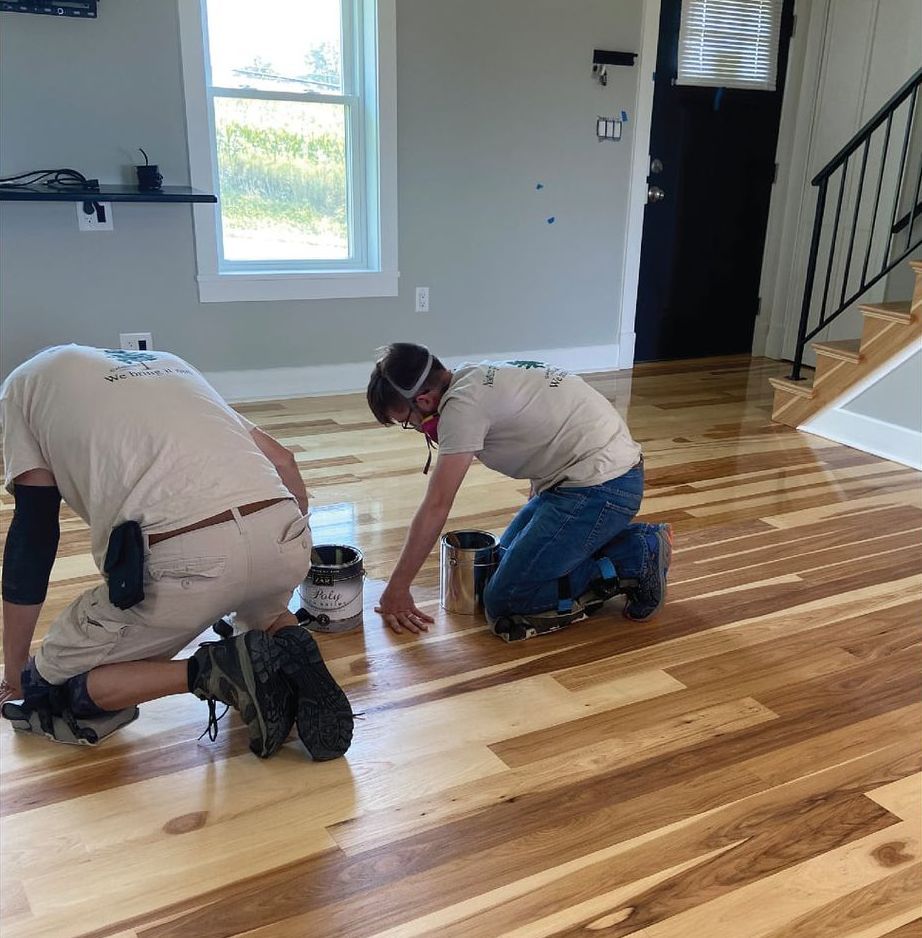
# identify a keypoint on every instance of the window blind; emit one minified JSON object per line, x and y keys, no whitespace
{"x":729,"y":43}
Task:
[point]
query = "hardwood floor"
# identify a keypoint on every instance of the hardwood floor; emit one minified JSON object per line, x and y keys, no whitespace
{"x":746,"y":766}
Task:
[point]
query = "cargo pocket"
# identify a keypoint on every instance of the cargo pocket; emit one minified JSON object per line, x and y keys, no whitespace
{"x":94,"y":621}
{"x":186,"y":573}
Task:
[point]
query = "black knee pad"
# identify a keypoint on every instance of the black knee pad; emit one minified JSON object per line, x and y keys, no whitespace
{"x":64,"y":712}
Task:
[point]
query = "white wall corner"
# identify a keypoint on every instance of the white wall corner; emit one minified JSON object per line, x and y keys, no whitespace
{"x":626,"y":350}
{"x":760,"y":335}
{"x":774,"y":340}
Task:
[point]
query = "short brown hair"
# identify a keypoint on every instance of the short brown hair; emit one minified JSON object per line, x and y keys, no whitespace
{"x":400,"y":364}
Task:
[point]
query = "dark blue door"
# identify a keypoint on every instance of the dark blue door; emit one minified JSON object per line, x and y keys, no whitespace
{"x":701,"y":254}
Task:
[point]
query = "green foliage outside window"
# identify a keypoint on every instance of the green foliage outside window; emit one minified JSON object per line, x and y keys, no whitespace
{"x":273,"y":176}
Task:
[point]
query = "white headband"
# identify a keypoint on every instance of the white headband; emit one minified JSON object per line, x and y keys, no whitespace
{"x":410,"y":393}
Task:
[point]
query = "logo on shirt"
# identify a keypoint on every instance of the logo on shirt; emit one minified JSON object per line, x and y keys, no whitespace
{"x":135,"y":365}
{"x":553,"y":375}
{"x":527,"y":365}
{"x":128,"y":358}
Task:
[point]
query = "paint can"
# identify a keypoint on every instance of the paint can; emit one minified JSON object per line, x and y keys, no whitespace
{"x":332,"y":592}
{"x":468,"y":559}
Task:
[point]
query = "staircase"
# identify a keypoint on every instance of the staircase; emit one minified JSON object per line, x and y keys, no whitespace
{"x":887,"y":328}
{"x":857,"y":240}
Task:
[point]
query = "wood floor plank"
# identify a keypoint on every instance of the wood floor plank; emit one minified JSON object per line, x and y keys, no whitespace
{"x":796,"y":687}
{"x":902,"y":798}
{"x":612,"y":754}
{"x":912,"y":929}
{"x":868,"y":912}
{"x":771,"y":904}
{"x":741,"y":819}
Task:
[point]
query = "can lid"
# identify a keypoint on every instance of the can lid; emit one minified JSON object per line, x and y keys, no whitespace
{"x":469,"y":541}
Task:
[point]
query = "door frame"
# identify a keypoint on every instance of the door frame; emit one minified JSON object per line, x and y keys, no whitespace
{"x":637,"y":188}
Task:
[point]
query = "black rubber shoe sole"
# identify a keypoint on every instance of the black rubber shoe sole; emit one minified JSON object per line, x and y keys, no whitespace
{"x":270,"y":697}
{"x":245,"y":672}
{"x":324,"y":714}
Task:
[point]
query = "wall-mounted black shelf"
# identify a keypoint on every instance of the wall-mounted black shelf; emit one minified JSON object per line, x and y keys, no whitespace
{"x":106,"y":193}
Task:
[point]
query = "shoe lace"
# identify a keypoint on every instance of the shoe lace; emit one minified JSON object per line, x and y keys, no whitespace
{"x":212,"y":728}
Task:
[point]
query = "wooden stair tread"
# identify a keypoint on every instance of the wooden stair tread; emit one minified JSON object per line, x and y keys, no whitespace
{"x":844,"y":349}
{"x":916,"y":266}
{"x":799,"y":388}
{"x":895,"y":311}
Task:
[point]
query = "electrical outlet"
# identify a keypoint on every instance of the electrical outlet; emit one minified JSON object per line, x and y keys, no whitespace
{"x":422,"y":299}
{"x":135,"y":341}
{"x":99,"y":217}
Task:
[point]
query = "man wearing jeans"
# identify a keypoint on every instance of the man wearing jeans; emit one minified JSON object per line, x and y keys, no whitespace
{"x":574,"y":541}
{"x":193,"y":512}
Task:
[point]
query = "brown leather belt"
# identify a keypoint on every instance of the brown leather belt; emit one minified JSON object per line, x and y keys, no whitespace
{"x":216,"y":519}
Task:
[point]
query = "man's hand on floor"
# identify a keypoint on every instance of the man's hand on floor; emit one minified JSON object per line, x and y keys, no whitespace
{"x":399,"y":611}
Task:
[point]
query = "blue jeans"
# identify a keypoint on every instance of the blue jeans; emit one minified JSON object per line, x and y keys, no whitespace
{"x":560,"y":532}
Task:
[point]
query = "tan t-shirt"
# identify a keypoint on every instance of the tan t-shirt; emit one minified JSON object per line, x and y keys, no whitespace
{"x":136,"y":436}
{"x":529,"y":420}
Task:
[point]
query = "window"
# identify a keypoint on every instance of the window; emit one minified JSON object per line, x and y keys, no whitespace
{"x":729,"y":43}
{"x":291,"y":118}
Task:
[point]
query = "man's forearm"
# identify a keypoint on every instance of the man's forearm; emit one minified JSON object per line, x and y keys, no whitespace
{"x":18,"y":628}
{"x":424,"y":531}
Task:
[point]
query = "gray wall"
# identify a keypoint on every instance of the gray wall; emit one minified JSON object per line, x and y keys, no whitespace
{"x":896,"y":398}
{"x":492,"y":98}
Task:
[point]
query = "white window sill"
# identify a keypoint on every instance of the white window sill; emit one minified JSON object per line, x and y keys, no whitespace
{"x":233,"y":287}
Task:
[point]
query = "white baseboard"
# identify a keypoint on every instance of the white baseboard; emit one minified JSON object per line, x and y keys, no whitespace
{"x":266,"y":384}
{"x":312,"y":380}
{"x":869,"y":435}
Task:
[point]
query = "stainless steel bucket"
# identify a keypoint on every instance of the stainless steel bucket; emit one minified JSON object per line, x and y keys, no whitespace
{"x":332,"y":592}
{"x":468,"y":559}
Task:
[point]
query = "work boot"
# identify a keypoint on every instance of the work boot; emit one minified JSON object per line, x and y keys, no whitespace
{"x":646,"y":598}
{"x":324,"y":715}
{"x":244,"y":673}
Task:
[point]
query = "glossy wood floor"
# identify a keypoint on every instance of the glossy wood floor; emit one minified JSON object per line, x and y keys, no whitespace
{"x":747,"y":766}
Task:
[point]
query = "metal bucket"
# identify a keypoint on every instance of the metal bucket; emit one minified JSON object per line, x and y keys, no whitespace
{"x":468,"y":559}
{"x":332,"y":592}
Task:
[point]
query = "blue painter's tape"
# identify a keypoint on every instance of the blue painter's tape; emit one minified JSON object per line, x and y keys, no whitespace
{"x":624,"y":117}
{"x":540,"y":185}
{"x":552,"y":219}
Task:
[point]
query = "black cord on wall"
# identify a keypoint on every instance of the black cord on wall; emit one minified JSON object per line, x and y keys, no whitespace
{"x":53,"y":178}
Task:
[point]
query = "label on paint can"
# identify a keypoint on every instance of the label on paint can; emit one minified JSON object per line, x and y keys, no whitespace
{"x":332,"y":592}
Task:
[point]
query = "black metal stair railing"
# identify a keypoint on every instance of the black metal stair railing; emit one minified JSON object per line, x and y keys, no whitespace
{"x":841,"y":288}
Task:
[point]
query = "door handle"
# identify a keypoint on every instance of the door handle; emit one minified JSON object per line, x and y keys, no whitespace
{"x":655,"y":194}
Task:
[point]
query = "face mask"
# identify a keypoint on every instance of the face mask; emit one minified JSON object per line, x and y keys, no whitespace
{"x":430,"y":430}
{"x":430,"y":427}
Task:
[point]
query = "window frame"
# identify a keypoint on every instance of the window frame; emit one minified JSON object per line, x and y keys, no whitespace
{"x":373,"y":271}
